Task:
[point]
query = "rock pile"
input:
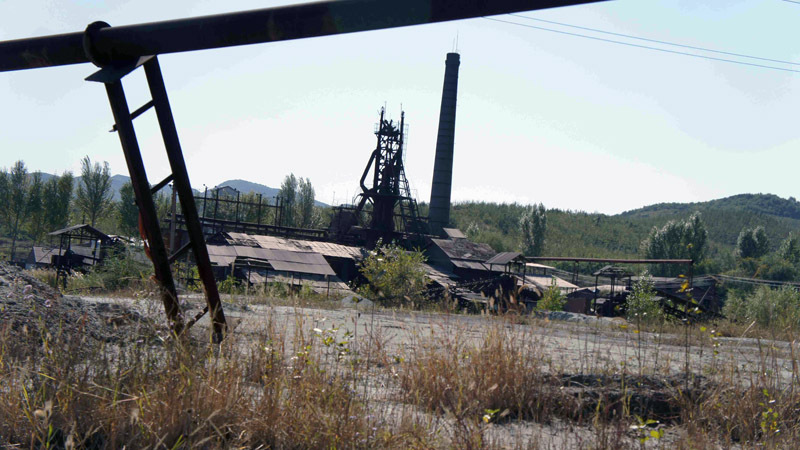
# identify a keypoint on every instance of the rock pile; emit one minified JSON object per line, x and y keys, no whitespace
{"x":32,"y":308}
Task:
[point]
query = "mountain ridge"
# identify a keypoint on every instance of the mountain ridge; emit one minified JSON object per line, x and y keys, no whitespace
{"x":243,"y":186}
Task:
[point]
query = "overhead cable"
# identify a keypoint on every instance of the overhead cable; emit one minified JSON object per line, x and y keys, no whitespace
{"x":742,"y":55}
{"x":643,"y":46}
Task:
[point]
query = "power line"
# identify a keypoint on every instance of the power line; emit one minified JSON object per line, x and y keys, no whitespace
{"x":643,"y":46}
{"x":792,"y":1}
{"x":658,"y":41}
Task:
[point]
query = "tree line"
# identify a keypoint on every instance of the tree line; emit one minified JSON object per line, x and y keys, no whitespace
{"x":724,"y":239}
{"x":32,"y":205}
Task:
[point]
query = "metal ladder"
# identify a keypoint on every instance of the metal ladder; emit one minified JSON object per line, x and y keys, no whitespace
{"x":111,"y":76}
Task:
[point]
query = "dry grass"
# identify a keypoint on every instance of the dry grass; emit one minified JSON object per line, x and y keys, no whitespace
{"x":464,"y":385}
{"x":259,"y":392}
{"x":507,"y":376}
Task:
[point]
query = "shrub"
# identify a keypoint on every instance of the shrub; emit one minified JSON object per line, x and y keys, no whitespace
{"x":552,"y":299}
{"x":118,"y":271}
{"x":395,"y":275}
{"x":766,"y":306}
{"x":641,"y":303}
{"x":46,"y":276}
{"x":231,"y":286}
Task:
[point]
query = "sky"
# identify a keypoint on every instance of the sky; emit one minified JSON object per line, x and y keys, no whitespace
{"x":543,"y":116}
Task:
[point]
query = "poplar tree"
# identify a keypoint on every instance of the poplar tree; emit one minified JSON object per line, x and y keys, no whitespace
{"x":94,"y":191}
{"x":16,"y":206}
{"x":533,"y":224}
{"x":305,"y":203}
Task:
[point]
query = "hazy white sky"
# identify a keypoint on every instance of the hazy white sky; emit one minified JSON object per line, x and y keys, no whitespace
{"x":572,"y":122}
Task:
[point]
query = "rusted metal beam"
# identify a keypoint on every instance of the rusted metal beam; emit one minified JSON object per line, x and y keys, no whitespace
{"x":121,"y":43}
{"x":606,"y":260}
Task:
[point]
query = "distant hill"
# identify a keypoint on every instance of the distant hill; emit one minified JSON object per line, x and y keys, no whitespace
{"x":242,"y":186}
{"x":246,"y":187}
{"x":571,"y":233}
{"x":116,"y":182}
{"x":768,"y":204}
{"x":726,"y":217}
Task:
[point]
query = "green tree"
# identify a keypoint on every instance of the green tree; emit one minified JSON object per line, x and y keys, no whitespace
{"x":684,"y":239}
{"x":533,"y":224}
{"x":305,"y":203}
{"x":288,"y":199}
{"x":49,"y":202}
{"x":790,"y":249}
{"x":56,"y":198}
{"x":36,"y":207}
{"x":94,"y":191}
{"x":395,"y":276}
{"x":752,"y":243}
{"x":5,"y":191}
{"x":128,"y":211}
{"x":66,"y":184}
{"x":17,"y":205}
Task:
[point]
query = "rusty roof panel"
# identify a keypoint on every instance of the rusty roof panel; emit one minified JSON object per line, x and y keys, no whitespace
{"x":298,"y":245}
{"x":465,"y":264}
{"x":464,"y":249}
{"x":440,"y":276}
{"x":282,"y":260}
{"x":503,"y":258}
{"x":83,"y":227}
{"x":454,"y":233}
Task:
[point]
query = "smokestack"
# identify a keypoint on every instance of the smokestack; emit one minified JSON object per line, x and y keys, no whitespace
{"x":439,"y":215}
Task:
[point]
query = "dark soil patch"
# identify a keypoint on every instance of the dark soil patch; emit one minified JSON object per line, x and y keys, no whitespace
{"x":649,"y":397}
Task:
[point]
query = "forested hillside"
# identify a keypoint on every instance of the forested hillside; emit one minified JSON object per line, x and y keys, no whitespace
{"x":574,"y":233}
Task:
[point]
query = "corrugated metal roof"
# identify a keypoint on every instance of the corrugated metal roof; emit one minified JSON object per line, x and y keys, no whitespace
{"x":42,"y":255}
{"x":464,"y":249}
{"x":466,"y":264}
{"x":544,"y":282}
{"x":222,"y":261}
{"x":281,"y":260}
{"x":298,"y":245}
{"x":317,"y":285}
{"x":439,"y":275}
{"x":503,"y":258}
{"x":454,"y":233}
{"x":83,"y":227}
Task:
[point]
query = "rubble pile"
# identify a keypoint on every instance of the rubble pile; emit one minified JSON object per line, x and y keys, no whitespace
{"x":32,"y":308}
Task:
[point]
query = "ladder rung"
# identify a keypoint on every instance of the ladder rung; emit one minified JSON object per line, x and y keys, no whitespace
{"x":135,"y":114}
{"x":161,"y":184}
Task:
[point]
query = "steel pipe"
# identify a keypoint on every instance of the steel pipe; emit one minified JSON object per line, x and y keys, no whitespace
{"x":123,"y":43}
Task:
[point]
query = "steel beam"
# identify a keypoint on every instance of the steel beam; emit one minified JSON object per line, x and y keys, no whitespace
{"x":121,"y":43}
{"x":607,"y":260}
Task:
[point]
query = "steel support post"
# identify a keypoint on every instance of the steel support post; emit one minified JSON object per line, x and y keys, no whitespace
{"x":181,"y":182}
{"x":144,"y":200}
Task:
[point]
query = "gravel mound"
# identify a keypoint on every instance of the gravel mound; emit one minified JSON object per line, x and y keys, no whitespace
{"x":32,"y":308}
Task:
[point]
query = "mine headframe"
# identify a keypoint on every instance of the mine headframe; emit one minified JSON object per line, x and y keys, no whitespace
{"x":123,"y":49}
{"x":393,"y":212}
